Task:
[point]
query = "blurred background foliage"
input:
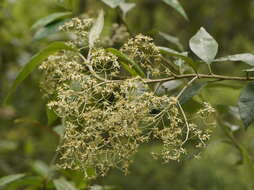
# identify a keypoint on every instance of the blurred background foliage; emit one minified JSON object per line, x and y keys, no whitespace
{"x":27,"y":143}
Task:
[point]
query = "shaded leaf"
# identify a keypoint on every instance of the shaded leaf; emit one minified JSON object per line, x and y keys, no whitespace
{"x":59,"y":129}
{"x":113,"y":3}
{"x":172,"y":39}
{"x":47,"y":30}
{"x":10,"y":178}
{"x":246,"y":104}
{"x":177,"y":6}
{"x":244,"y":57}
{"x":124,"y":59}
{"x":50,"y":18}
{"x":204,"y":46}
{"x":34,"y":62}
{"x":181,"y":55}
{"x":96,"y":30}
{"x":51,"y":115}
{"x":63,"y":184}
{"x":191,"y":91}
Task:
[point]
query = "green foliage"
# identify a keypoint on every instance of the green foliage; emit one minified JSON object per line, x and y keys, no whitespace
{"x":246,"y":104}
{"x":96,"y":29}
{"x":177,"y":6}
{"x":204,"y":46}
{"x":34,"y":62}
{"x":10,"y":178}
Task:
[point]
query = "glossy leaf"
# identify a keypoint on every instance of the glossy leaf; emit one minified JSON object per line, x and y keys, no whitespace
{"x":246,"y":104}
{"x":34,"y":62}
{"x":123,"y":58}
{"x":112,"y":3}
{"x":191,"y":91}
{"x":204,"y":46}
{"x":63,"y":184}
{"x":172,"y":39}
{"x":96,"y":30}
{"x":177,"y":6}
{"x":50,"y":18}
{"x":244,"y":57}
{"x":10,"y":178}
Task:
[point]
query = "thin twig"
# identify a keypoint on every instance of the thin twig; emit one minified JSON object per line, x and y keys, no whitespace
{"x":200,"y":76}
{"x":186,"y":86}
{"x":186,"y":123}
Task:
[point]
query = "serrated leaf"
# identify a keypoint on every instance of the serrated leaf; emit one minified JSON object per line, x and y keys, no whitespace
{"x":172,"y":39}
{"x":51,"y":115}
{"x":191,"y":91}
{"x":10,"y":178}
{"x":63,"y":184}
{"x":124,"y":59}
{"x":204,"y":46}
{"x":244,"y":57}
{"x":177,"y":6}
{"x":112,"y":3}
{"x":50,"y":18}
{"x":96,"y":30}
{"x":126,"y":7}
{"x":246,"y":104}
{"x":34,"y":62}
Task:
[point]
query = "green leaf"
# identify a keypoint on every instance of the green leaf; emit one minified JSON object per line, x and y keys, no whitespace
{"x":181,"y":55}
{"x":177,"y":6}
{"x":42,"y":169}
{"x":96,"y":30}
{"x":191,"y":91}
{"x":204,"y":46}
{"x":59,"y":129}
{"x":246,"y":104}
{"x":10,"y":178}
{"x":124,"y":59}
{"x":172,"y":39}
{"x":126,"y":7}
{"x":48,"y":30}
{"x":249,"y":70}
{"x":244,"y":57}
{"x":34,"y":62}
{"x":51,"y":115}
{"x":50,"y":18}
{"x":112,"y":3}
{"x":63,"y":184}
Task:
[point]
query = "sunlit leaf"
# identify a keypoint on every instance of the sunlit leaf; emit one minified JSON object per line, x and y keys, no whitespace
{"x":34,"y":62}
{"x":191,"y":91}
{"x":112,"y":3}
{"x":124,"y":58}
{"x":63,"y":184}
{"x":177,"y":6}
{"x":10,"y":178}
{"x":51,"y":18}
{"x":204,"y":46}
{"x":244,"y":57}
{"x":172,"y":39}
{"x":96,"y":30}
{"x":246,"y":104}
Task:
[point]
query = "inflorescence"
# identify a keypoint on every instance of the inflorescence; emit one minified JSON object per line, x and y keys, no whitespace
{"x":106,"y":121}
